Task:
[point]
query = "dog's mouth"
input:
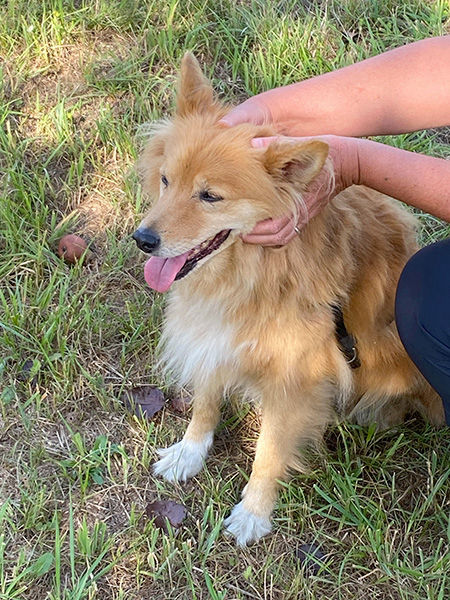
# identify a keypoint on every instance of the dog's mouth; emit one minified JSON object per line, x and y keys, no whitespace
{"x":202,"y":250}
{"x":160,"y":273}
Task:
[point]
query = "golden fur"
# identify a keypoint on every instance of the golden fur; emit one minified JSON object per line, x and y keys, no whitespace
{"x":260,"y":318}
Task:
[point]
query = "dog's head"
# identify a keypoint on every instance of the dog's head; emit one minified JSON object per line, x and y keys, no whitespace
{"x":209,"y":184}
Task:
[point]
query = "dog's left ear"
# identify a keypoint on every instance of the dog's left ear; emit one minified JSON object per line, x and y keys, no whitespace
{"x":195,"y":93}
{"x":299,"y":163}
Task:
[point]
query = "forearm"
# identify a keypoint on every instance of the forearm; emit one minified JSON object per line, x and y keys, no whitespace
{"x":402,"y":90}
{"x":416,"y":179}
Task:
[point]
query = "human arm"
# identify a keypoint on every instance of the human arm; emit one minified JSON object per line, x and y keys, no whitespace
{"x":417,"y":179}
{"x":405,"y":89}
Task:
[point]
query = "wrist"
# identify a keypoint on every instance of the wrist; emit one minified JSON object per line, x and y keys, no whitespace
{"x":353,"y":167}
{"x":344,"y":154}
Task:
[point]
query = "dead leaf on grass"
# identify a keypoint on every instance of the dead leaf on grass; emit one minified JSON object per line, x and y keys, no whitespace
{"x":181,"y":404}
{"x":144,"y":401}
{"x":163,"y":511}
{"x":311,"y":558}
{"x":29,"y":372}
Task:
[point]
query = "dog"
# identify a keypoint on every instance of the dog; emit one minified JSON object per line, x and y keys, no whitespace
{"x":272,"y":322}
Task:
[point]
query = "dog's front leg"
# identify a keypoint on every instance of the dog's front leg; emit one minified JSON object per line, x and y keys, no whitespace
{"x":186,"y":458}
{"x":285,"y":421}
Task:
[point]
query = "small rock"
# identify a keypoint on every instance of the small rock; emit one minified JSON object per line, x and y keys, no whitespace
{"x":71,"y":248}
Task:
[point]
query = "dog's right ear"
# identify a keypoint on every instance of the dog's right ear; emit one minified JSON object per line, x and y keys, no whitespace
{"x":195,"y":94}
{"x":152,"y":157}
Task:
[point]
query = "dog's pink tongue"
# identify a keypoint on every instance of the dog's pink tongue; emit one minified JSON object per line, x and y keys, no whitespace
{"x":160,"y":273}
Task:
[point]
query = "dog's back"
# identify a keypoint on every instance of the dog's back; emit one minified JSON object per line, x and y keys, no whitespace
{"x":377,"y":238}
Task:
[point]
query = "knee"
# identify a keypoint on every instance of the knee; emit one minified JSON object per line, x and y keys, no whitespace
{"x":422,"y":308}
{"x":407,"y":303}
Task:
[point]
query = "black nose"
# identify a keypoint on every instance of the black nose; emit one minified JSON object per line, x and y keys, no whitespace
{"x":147,"y":240}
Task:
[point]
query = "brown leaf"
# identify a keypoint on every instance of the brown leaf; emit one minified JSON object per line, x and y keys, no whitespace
{"x":26,"y":370}
{"x":181,"y":404}
{"x":145,"y":401}
{"x":311,"y":558}
{"x":166,"y":510}
{"x":25,"y":373}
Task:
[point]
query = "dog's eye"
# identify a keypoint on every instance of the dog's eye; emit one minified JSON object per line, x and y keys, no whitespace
{"x":208,"y":196}
{"x":164,"y":180}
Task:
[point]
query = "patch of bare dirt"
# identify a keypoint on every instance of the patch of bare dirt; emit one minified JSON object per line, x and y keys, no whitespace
{"x":443,"y":136}
{"x":59,"y":81}
{"x":61,"y":71}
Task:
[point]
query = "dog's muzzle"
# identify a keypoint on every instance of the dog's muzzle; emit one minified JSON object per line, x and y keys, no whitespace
{"x":147,"y":240}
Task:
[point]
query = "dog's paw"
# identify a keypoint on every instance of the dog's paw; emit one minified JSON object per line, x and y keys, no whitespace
{"x":182,"y":460}
{"x":245,"y":526}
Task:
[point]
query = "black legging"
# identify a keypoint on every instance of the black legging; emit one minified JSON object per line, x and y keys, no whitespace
{"x":422,"y":310}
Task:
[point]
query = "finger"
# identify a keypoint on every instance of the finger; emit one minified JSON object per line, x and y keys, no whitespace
{"x":262,"y":142}
{"x":271,"y":226}
{"x":236,"y":116}
{"x":280,"y":238}
{"x":269,"y":240}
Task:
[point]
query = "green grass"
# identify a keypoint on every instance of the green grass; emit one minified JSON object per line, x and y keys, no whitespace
{"x":78,"y":81}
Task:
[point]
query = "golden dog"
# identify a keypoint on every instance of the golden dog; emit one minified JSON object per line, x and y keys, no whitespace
{"x":264,"y":319}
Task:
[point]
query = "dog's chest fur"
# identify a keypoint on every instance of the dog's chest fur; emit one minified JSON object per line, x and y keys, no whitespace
{"x":197,"y":338}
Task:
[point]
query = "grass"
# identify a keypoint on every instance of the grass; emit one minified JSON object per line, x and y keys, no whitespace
{"x":77,"y":82}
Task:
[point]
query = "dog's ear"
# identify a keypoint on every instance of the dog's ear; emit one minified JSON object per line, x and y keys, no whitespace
{"x":295,"y":162}
{"x":195,"y":93}
{"x":152,"y":157}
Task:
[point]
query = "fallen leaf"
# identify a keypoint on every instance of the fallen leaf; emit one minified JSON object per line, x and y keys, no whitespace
{"x":26,"y":369}
{"x":311,"y":558}
{"x":41,"y":565}
{"x":181,"y":404}
{"x":29,"y":372}
{"x":145,"y":401}
{"x":166,"y":510}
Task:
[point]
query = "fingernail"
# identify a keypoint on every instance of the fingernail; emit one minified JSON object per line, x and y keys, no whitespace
{"x":258,"y":143}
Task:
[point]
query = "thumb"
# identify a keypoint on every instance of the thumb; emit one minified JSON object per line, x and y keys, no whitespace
{"x":262,"y":142}
{"x":236,"y":116}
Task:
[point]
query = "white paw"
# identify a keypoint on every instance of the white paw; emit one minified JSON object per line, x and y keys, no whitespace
{"x":245,"y":526}
{"x":183,"y":460}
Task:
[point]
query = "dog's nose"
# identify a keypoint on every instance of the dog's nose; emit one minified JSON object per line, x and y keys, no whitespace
{"x":147,"y":240}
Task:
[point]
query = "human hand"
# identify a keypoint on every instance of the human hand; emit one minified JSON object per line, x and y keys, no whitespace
{"x":341,"y":172}
{"x":253,"y":110}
